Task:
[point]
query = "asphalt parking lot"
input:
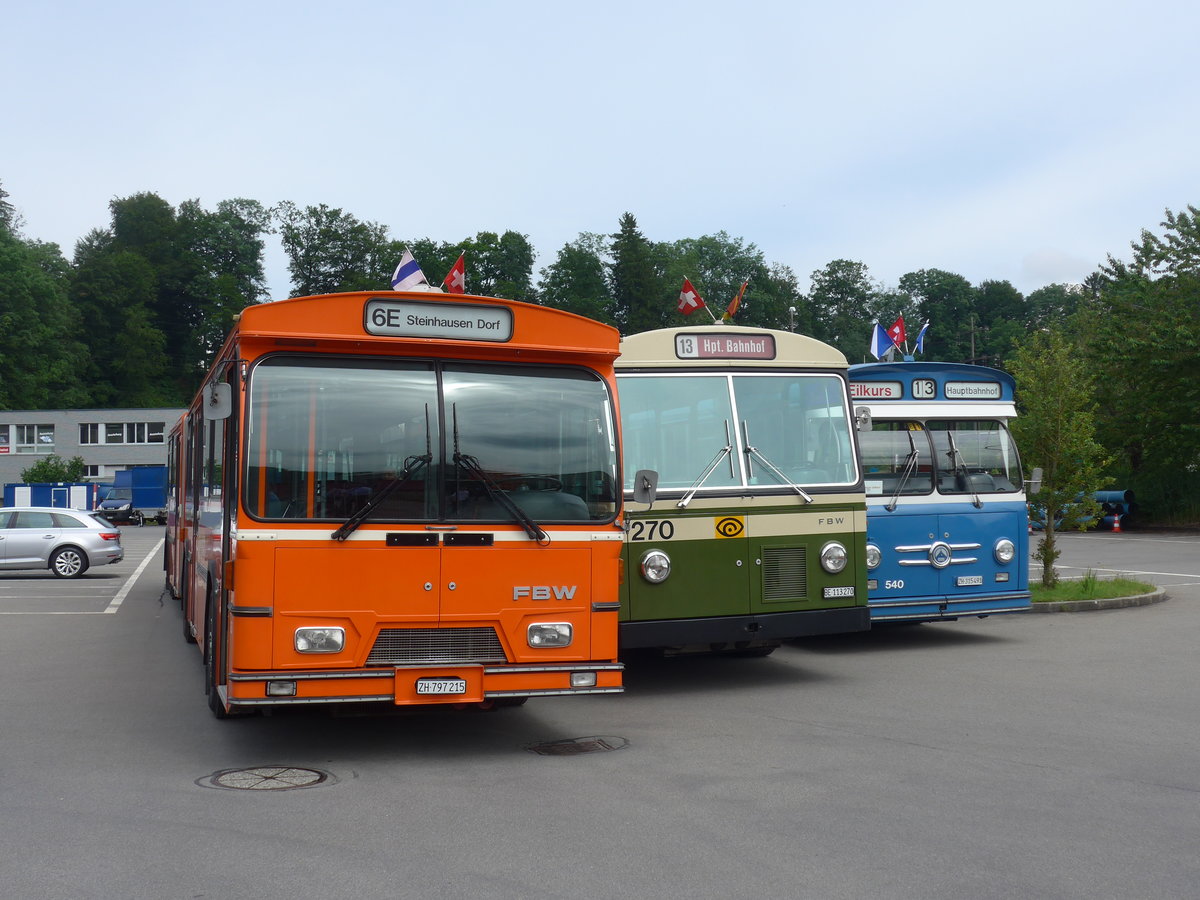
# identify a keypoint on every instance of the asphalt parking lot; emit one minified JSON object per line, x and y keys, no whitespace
{"x":1016,"y":756}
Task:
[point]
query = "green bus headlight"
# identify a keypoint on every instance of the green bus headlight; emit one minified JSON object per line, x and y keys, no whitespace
{"x":833,"y":557}
{"x":656,"y":566}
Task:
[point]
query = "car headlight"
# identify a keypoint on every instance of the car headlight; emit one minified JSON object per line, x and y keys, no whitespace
{"x":1004,"y":551}
{"x":874,"y":557}
{"x":833,"y":557}
{"x":320,"y":640}
{"x":549,"y":634}
{"x":656,"y":566}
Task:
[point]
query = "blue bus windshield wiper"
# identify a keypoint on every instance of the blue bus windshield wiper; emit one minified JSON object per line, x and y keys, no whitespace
{"x":910,"y":466}
{"x":960,"y":468}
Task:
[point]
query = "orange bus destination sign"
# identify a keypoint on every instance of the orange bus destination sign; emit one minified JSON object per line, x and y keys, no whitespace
{"x":724,"y":345}
{"x":460,"y":322}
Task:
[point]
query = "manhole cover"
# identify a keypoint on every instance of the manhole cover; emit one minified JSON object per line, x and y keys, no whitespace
{"x":575,"y":746}
{"x":265,"y":778}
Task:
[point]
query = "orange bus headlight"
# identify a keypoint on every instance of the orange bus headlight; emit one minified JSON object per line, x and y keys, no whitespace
{"x":320,"y":640}
{"x":549,"y":634}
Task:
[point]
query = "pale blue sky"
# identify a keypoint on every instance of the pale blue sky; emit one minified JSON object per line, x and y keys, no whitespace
{"x":1020,"y":141}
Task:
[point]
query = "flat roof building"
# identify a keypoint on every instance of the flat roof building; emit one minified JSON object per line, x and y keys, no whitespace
{"x":108,"y":440}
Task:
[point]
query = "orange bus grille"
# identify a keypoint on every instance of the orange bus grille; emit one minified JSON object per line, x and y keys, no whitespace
{"x":406,"y":646}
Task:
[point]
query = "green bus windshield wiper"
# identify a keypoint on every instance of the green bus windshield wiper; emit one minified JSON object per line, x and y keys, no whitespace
{"x":753,"y":452}
{"x":699,"y":482}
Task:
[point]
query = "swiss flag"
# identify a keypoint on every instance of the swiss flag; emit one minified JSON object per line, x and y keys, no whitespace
{"x":456,"y":279}
{"x":689,"y":299}
{"x":896,"y":332}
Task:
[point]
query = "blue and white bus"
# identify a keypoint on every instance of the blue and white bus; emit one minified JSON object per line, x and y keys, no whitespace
{"x":947,"y":524}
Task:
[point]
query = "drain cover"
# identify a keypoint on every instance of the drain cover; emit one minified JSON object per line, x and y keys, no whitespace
{"x":575,"y":746}
{"x":265,"y":778}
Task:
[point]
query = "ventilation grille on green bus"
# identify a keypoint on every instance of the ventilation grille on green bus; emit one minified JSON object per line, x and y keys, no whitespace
{"x":408,"y":646}
{"x":784,"y":573}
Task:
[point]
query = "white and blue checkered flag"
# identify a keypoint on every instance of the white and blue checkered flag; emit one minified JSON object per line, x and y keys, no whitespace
{"x":408,"y":274}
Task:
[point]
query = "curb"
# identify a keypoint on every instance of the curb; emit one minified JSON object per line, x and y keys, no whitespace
{"x":1157,"y":596}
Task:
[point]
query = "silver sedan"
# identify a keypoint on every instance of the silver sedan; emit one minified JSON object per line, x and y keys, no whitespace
{"x":66,"y":541}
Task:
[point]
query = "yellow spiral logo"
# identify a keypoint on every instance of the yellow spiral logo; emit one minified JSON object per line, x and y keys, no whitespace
{"x":730,"y":526}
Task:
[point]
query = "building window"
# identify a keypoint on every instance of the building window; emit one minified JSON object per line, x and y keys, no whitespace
{"x":3,"y":438}
{"x":92,"y":471}
{"x":124,"y":433}
{"x":35,"y":438}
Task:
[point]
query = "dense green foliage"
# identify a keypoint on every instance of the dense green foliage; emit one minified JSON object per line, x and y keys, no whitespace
{"x":133,"y":318}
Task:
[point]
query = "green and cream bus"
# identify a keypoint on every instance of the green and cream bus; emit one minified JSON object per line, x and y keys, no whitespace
{"x":745,"y":510}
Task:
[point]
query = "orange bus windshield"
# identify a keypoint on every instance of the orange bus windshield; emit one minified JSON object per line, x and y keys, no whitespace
{"x":330,"y":436}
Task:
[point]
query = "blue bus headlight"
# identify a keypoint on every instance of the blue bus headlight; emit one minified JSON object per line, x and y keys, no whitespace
{"x":874,"y":557}
{"x":1004,"y":551}
{"x":833,"y":557}
{"x":656,"y":566}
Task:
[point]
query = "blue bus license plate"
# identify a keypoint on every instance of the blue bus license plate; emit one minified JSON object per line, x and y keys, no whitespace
{"x":441,"y":686}
{"x":969,"y":580}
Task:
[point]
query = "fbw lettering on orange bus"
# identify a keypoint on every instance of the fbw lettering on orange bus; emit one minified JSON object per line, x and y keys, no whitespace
{"x":544,"y":592}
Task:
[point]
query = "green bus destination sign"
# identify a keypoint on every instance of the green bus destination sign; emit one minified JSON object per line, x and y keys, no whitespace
{"x":723,"y":345}
{"x":460,"y":322}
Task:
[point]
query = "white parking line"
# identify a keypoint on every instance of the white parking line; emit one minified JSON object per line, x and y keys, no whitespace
{"x":112,"y":607}
{"x":128,"y":586}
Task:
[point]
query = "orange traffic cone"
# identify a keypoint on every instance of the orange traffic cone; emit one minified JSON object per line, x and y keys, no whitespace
{"x":1116,"y":523}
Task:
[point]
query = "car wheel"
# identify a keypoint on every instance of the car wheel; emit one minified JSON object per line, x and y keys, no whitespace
{"x":68,"y":562}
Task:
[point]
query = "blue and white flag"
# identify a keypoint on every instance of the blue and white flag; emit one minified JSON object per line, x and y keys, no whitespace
{"x":881,"y":342}
{"x":408,"y":274}
{"x":921,"y":338}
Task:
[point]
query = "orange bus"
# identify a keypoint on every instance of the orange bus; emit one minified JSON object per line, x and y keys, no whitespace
{"x":400,"y":498}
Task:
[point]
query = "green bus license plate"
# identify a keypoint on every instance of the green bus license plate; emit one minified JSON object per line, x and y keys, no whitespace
{"x":969,"y":580}
{"x":441,"y":686}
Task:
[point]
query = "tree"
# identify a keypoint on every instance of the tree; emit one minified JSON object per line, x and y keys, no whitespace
{"x":1054,"y":304}
{"x":1000,"y":316}
{"x":1142,"y":331}
{"x":499,"y":265}
{"x":329,"y":250}
{"x":1055,"y":432}
{"x":718,"y":265}
{"x":41,"y":357}
{"x":637,"y":289}
{"x":576,"y":282}
{"x":947,"y":302}
{"x":53,"y":469}
{"x":841,"y":301}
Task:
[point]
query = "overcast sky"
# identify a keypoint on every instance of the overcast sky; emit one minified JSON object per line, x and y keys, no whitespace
{"x":1020,"y":141}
